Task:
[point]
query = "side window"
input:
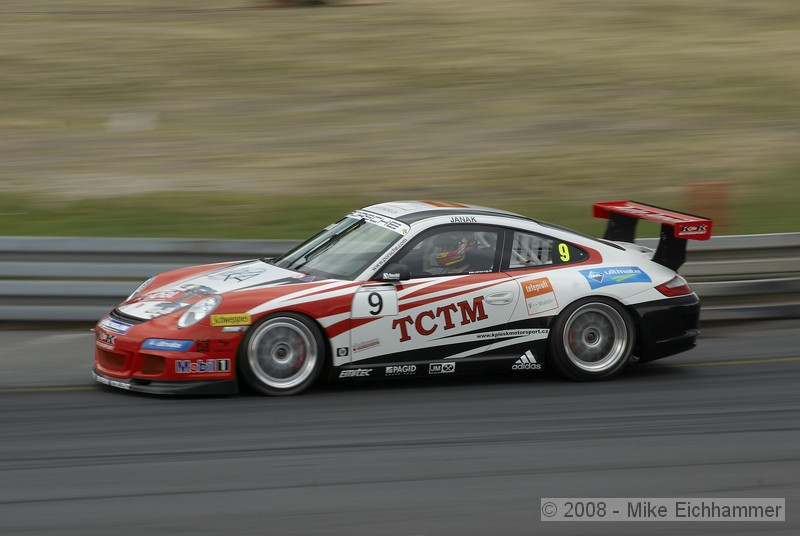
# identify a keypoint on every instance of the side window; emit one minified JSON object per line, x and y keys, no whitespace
{"x":529,"y":250}
{"x":452,"y":250}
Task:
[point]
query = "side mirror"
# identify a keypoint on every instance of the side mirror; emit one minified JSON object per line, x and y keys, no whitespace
{"x":394,"y":272}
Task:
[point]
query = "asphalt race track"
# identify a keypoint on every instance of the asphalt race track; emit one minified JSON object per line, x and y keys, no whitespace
{"x":402,"y":458}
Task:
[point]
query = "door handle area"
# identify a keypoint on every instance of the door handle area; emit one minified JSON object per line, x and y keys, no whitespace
{"x":499,"y":298}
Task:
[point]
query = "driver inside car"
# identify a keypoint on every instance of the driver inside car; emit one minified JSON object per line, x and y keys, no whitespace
{"x":448,"y":253}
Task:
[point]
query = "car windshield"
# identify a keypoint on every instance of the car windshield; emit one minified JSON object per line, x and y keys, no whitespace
{"x":342,"y":250}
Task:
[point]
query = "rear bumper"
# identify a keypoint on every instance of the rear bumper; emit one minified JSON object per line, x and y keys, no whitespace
{"x":667,"y":327}
{"x":160,"y":387}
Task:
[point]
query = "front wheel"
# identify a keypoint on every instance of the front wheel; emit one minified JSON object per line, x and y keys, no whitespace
{"x":592,"y":339}
{"x":282,"y":355}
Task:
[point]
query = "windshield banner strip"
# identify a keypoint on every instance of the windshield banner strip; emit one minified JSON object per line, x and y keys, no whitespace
{"x":376,"y":219}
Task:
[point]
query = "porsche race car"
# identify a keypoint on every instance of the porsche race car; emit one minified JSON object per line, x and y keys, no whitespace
{"x":412,"y":288}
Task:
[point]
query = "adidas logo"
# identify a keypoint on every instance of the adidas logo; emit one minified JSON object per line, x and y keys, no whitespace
{"x":527,"y":361}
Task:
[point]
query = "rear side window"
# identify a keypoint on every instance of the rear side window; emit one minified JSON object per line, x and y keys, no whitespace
{"x":529,"y":250}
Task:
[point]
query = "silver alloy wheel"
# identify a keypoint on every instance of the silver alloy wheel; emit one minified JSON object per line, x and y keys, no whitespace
{"x":595,"y":337}
{"x":282,"y":353}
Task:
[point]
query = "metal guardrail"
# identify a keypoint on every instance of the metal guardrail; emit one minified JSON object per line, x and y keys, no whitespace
{"x":51,"y":279}
{"x":744,"y":277}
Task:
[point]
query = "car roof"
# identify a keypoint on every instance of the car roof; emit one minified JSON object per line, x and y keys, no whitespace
{"x":413,"y":211}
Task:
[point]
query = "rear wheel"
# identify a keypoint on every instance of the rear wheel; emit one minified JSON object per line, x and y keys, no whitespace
{"x":592,"y":339}
{"x":282,"y":355}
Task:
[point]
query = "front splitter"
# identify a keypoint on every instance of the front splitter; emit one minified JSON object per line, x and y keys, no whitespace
{"x":189,"y":387}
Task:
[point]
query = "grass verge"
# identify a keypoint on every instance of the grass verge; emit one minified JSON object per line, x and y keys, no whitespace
{"x":223,"y":120}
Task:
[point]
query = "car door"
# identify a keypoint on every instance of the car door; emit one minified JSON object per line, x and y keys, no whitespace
{"x":454,"y":305}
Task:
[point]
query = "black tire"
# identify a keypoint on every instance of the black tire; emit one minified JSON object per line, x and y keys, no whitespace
{"x":592,"y":339}
{"x":281,"y":355}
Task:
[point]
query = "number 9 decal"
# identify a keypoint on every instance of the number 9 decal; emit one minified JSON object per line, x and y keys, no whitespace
{"x":376,"y":302}
{"x":563,"y":252}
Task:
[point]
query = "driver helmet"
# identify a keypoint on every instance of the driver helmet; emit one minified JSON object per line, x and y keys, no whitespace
{"x":451,"y":249}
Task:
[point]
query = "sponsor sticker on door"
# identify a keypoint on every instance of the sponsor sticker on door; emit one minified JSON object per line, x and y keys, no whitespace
{"x":539,"y":295}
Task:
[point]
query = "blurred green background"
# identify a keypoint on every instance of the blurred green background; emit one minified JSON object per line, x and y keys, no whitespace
{"x":227,"y":119}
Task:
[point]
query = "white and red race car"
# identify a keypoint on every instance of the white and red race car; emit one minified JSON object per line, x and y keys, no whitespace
{"x":412,"y":288}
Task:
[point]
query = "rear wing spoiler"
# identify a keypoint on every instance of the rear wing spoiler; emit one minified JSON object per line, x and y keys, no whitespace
{"x":676,"y":228}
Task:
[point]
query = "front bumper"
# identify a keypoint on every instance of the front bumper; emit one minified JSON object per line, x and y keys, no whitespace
{"x":154,"y":357}
{"x":667,"y":327}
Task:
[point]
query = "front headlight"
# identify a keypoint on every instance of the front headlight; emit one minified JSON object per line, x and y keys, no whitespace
{"x":199,"y":311}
